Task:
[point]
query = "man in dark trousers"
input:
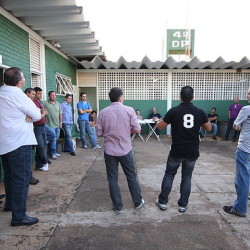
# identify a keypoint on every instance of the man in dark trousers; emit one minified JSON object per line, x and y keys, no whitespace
{"x":116,"y":123}
{"x":185,"y":120}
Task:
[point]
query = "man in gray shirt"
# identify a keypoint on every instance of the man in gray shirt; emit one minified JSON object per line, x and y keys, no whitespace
{"x":242,"y":157}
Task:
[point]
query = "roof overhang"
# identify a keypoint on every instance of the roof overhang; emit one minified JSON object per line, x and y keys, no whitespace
{"x":59,"y":22}
{"x":170,"y":63}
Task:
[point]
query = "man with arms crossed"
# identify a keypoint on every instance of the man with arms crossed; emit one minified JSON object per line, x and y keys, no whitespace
{"x":17,"y":112}
{"x":185,"y":120}
{"x":242,"y":158}
{"x":116,"y":123}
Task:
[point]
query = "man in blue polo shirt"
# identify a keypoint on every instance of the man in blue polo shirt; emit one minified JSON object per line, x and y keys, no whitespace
{"x":67,"y":121}
{"x":84,"y":109}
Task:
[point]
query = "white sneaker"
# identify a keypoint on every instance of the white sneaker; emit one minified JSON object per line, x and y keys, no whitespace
{"x":45,"y":167}
{"x":58,"y":155}
{"x":85,"y":146}
{"x":53,"y":157}
{"x":161,"y":206}
{"x":182,"y":209}
{"x":97,"y":147}
{"x":142,"y":203}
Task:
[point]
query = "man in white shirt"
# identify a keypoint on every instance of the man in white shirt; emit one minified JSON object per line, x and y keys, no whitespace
{"x":17,"y":114}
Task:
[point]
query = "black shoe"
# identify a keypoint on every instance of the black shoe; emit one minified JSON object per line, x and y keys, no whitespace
{"x":33,"y":180}
{"x":2,"y":196}
{"x":214,"y":137}
{"x":201,"y":136}
{"x":49,"y":162}
{"x":7,"y":209}
{"x":26,"y":221}
{"x":73,"y":153}
{"x":231,"y":210}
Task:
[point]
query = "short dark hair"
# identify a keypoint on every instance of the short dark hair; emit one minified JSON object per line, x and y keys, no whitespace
{"x":114,"y":94}
{"x":83,"y":93}
{"x":28,"y":90}
{"x":187,"y":94}
{"x":37,"y":89}
{"x":67,"y":95}
{"x":52,"y":91}
{"x":93,"y":112}
{"x":214,"y":109}
{"x":12,"y":76}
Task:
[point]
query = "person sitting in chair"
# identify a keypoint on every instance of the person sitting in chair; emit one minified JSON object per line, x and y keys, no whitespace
{"x":212,"y":117}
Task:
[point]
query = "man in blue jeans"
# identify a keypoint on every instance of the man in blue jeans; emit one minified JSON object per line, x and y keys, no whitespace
{"x":116,"y":123}
{"x":185,"y":120}
{"x":17,"y":114}
{"x":53,"y":123}
{"x":67,"y":121}
{"x":84,"y":109}
{"x":242,"y":158}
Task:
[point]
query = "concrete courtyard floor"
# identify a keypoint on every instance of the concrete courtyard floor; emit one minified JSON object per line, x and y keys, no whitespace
{"x":74,"y":208}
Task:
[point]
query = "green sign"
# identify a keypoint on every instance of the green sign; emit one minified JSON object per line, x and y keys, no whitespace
{"x":180,"y":42}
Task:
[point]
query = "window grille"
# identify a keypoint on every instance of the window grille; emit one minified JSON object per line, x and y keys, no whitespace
{"x":63,"y":85}
{"x":35,"y":80}
{"x":35,"y":55}
{"x":212,"y":85}
{"x":136,"y":85}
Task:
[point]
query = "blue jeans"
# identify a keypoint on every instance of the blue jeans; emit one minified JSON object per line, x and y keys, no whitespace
{"x":186,"y":176}
{"x":52,"y":136}
{"x":68,"y":144}
{"x":17,"y":172}
{"x":242,"y":180}
{"x":214,"y":129}
{"x":85,"y":125}
{"x":127,"y":163}
{"x":41,"y":157}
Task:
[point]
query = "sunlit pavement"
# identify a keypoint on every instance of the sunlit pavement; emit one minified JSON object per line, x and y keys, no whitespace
{"x":74,"y":208}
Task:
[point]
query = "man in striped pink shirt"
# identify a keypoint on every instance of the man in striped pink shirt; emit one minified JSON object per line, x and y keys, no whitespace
{"x":116,"y":123}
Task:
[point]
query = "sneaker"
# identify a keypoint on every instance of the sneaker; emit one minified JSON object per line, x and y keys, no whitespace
{"x":231,"y":210}
{"x":201,"y":136}
{"x":85,"y":146}
{"x":97,"y":147}
{"x":142,"y":203}
{"x":182,"y":209}
{"x":58,"y":155}
{"x":249,"y":197}
{"x":45,"y":167}
{"x":214,"y":137}
{"x":161,"y":206}
{"x":73,"y":153}
{"x":53,"y":157}
{"x":33,"y":180}
{"x":117,"y":210}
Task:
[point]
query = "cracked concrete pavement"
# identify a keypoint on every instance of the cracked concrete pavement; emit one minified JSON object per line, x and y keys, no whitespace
{"x":74,"y":208}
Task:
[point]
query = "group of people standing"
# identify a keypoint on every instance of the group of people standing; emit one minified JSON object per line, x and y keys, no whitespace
{"x":115,"y":123}
{"x":27,"y":122}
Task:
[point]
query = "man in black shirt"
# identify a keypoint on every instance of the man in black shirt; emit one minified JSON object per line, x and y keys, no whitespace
{"x":154,"y":115}
{"x":185,"y":120}
{"x":212,"y":117}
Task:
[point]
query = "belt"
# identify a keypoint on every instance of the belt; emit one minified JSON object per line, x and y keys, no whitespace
{"x":39,"y":125}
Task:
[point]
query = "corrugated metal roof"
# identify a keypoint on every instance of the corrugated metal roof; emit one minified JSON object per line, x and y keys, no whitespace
{"x":57,"y":21}
{"x":170,"y":63}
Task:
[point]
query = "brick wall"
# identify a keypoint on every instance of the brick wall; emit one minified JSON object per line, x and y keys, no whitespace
{"x":14,"y":47}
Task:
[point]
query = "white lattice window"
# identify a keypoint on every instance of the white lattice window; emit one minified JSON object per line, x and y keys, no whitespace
{"x":35,"y":55}
{"x":212,"y":85}
{"x":136,"y":85}
{"x":35,"y":80}
{"x":63,"y":85}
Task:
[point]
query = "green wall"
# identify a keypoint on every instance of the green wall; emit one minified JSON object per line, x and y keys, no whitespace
{"x":55,"y":63}
{"x":221,"y":107}
{"x":146,"y":106}
{"x":14,"y":47}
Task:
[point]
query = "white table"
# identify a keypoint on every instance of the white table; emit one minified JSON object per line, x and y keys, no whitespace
{"x":151,"y":130}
